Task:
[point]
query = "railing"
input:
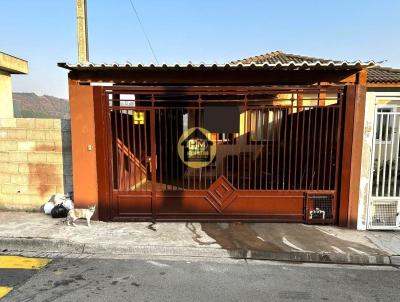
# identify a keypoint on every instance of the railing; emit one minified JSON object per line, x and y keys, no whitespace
{"x":386,"y":174}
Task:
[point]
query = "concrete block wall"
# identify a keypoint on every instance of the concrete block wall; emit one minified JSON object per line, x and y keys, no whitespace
{"x":35,"y":161}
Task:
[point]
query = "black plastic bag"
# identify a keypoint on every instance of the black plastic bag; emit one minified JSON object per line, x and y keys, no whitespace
{"x":59,"y":211}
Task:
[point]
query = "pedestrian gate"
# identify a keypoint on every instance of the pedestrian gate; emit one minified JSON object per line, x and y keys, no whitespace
{"x":384,"y":199}
{"x":223,"y":153}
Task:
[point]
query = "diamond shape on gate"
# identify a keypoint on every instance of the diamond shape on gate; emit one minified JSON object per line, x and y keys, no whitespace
{"x":222,"y":191}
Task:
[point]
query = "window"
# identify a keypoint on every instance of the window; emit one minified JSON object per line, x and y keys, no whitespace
{"x":264,"y":125}
{"x":222,"y":119}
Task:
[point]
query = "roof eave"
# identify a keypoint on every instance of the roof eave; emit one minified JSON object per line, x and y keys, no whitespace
{"x":251,"y":66}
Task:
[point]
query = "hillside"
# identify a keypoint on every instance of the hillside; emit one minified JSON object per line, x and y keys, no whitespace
{"x":30,"y":105}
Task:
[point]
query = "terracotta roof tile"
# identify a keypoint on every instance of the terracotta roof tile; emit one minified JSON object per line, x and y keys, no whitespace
{"x":282,"y":57}
{"x":383,"y":75}
{"x":376,"y":74}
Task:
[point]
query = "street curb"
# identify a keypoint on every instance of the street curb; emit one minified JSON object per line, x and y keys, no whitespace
{"x":39,"y":245}
{"x":67,"y":246}
{"x":395,"y":260}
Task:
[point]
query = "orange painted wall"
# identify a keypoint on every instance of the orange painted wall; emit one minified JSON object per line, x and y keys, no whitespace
{"x":83,"y":137}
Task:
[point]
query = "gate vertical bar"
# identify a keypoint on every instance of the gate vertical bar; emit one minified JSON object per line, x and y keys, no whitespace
{"x":296,"y":153}
{"x":123,"y":181}
{"x":396,"y":166}
{"x":140,"y":154}
{"x":379,"y":152}
{"x":325,"y":147}
{"x":166,"y":148}
{"x":262,"y":116}
{"x":303,"y":114}
{"x":146,"y":161}
{"x":273,"y":148}
{"x":290,"y":141}
{"x":321,"y":109}
{"x":308,"y":146}
{"x":153,"y":158}
{"x":387,"y":122}
{"x":249,"y":127}
{"x":331,"y":149}
{"x":391,"y":154}
{"x":171,"y":146}
{"x":267,"y":150}
{"x":128,"y":133}
{"x":118,"y":155}
{"x":256,"y":133}
{"x":286,"y":112}
{"x":134,"y":145}
{"x":279,"y":128}
{"x":160,"y":155}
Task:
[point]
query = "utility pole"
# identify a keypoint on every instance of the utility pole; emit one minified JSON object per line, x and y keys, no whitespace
{"x":82,"y":28}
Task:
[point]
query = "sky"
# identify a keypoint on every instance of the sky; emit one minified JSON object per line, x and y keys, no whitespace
{"x":44,"y":33}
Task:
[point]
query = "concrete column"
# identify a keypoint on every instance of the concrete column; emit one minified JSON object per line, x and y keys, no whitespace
{"x":354,"y":107}
{"x":83,"y":145}
{"x":82,"y":28}
{"x":6,"y":101}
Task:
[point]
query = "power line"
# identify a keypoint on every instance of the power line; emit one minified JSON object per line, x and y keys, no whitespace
{"x":143,"y":30}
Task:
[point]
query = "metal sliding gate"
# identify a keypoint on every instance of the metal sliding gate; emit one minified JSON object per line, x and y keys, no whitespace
{"x":384,"y":199}
{"x":271,"y":152}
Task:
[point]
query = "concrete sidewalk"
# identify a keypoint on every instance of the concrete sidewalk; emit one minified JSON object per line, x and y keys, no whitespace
{"x":35,"y":232}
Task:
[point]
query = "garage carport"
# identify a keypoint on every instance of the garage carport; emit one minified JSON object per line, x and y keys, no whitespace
{"x":286,"y":149}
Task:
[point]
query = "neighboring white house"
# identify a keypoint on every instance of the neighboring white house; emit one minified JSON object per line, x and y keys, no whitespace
{"x":379,"y":201}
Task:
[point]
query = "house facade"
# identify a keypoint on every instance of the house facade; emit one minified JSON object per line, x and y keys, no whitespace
{"x":286,"y":145}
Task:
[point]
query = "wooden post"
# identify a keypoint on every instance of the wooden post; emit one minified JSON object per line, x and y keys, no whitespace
{"x":352,"y":151}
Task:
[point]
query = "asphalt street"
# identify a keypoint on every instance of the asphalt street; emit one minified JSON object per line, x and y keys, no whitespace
{"x":16,"y":270}
{"x":198,"y":280}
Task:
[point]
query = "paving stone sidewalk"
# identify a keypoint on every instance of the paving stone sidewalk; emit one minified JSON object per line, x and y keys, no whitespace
{"x":36,"y":232}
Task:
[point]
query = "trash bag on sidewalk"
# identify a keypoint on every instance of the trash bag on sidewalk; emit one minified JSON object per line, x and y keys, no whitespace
{"x":59,"y":198}
{"x":48,"y":207}
{"x":59,"y":211}
{"x":68,"y":204}
{"x":70,"y":195}
{"x":59,"y":205}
